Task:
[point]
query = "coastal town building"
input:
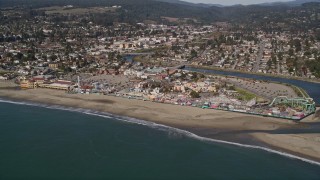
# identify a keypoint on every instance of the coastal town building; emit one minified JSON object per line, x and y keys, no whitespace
{"x":41,"y":82}
{"x":147,"y":60}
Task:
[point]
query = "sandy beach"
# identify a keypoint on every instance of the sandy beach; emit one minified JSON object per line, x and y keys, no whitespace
{"x":299,"y":138}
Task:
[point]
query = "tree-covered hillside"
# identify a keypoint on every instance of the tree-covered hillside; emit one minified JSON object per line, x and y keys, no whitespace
{"x":140,"y":10}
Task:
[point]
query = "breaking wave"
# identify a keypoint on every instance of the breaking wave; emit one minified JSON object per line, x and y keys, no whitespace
{"x":156,"y":126}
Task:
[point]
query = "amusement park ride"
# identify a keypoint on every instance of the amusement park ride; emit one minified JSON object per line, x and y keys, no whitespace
{"x":306,"y":104}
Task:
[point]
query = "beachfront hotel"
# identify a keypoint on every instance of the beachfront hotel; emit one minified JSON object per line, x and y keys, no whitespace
{"x":41,"y":82}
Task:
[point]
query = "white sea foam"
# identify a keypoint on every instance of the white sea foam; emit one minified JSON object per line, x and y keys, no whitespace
{"x":158,"y":127}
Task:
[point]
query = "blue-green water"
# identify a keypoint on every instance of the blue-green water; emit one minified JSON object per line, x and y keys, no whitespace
{"x":42,"y":143}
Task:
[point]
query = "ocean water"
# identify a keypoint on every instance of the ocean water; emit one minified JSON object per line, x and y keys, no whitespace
{"x":48,"y":143}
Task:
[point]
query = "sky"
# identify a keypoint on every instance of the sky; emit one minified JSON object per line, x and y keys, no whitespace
{"x":232,"y":2}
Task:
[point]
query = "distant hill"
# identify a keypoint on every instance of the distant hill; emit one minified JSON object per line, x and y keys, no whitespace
{"x":134,"y":11}
{"x":34,"y":3}
{"x":289,"y":3}
{"x":191,"y":4}
{"x":131,"y":10}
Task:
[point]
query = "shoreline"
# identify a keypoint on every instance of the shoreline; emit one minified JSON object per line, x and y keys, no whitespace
{"x":190,"y":133}
{"x":317,"y":81}
{"x":217,"y":125}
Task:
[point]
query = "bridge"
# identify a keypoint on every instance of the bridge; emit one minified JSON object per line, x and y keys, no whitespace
{"x":137,"y":54}
{"x":181,"y":66}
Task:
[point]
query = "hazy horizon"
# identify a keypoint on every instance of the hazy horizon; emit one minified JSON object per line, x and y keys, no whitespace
{"x":233,"y":2}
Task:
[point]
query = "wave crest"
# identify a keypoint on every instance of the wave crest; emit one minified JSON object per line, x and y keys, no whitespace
{"x":172,"y":131}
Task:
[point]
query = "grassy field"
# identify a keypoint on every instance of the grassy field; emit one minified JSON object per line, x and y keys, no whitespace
{"x":138,"y":59}
{"x":152,"y":50}
{"x":76,"y":11}
{"x":170,"y":19}
{"x":245,"y":95}
{"x":3,"y":72}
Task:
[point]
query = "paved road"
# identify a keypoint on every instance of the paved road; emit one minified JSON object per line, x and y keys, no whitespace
{"x":235,"y":53}
{"x":278,"y":67}
{"x":259,"y":57}
{"x":200,"y":55}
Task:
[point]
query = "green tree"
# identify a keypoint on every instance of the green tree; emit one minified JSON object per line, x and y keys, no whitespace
{"x":290,"y":52}
{"x":193,"y":53}
{"x":280,"y":56}
{"x":274,"y":59}
{"x":194,"y":94}
{"x":269,"y":63}
{"x":111,"y":55}
{"x":119,"y":57}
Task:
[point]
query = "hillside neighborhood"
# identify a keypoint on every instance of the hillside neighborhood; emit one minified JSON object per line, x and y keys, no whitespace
{"x":146,"y":60}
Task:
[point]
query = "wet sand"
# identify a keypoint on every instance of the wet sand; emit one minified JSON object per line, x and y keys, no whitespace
{"x":236,"y":127}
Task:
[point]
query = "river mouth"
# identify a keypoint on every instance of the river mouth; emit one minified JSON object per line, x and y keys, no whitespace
{"x":312,"y":88}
